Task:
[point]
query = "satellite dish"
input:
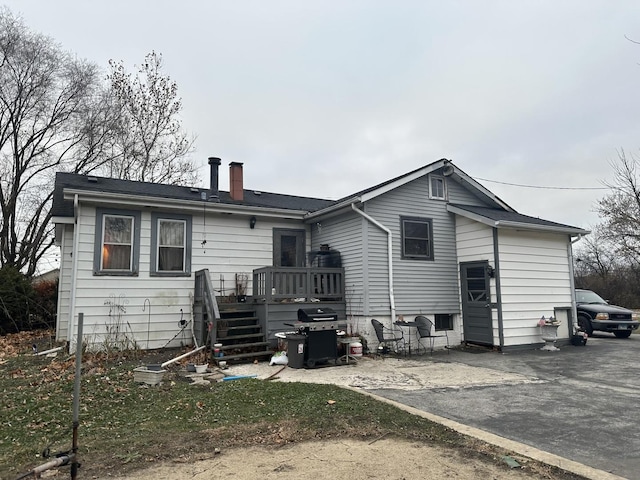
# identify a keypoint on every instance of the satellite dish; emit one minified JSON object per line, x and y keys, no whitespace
{"x":447,"y":170}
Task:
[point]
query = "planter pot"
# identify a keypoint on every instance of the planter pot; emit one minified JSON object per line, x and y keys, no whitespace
{"x":549,"y":334}
{"x":150,"y":377}
{"x":202,"y":368}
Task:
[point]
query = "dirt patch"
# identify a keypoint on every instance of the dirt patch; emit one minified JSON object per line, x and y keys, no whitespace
{"x":387,"y":458}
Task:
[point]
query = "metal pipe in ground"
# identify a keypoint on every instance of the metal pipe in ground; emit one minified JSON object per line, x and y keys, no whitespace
{"x":76,"y":398}
{"x":56,"y":462}
{"x":72,"y":457}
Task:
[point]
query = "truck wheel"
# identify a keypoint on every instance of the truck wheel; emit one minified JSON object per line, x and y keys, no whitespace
{"x":585,"y":325}
{"x":622,"y":333}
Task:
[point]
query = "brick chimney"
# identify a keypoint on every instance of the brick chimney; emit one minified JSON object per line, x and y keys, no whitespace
{"x":236,"y":187}
{"x":214,"y":163}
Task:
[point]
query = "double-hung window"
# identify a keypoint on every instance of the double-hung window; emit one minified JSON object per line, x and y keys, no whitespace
{"x":417,"y":238}
{"x":437,"y":190}
{"x":170,"y":244}
{"x":117,"y":242}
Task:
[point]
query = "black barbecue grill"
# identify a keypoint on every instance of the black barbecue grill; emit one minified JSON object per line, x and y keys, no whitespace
{"x":319,"y":326}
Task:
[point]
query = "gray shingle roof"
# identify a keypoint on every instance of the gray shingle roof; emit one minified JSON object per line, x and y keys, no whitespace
{"x":498,"y":215}
{"x":62,"y":208}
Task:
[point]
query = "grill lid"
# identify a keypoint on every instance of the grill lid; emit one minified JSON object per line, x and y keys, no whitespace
{"x":317,"y":315}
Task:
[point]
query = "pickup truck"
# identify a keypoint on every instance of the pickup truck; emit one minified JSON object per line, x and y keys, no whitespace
{"x":594,"y":313}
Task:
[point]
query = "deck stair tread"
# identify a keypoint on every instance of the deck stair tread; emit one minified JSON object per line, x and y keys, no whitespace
{"x":243,"y":345}
{"x":240,"y":337}
{"x":241,"y":327}
{"x":244,"y":356}
{"x":239,"y":319}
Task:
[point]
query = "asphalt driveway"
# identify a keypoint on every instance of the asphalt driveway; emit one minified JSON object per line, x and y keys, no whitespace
{"x":584,"y":406}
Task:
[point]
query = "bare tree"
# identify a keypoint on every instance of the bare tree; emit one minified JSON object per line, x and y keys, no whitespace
{"x":620,"y":209}
{"x":51,"y":118}
{"x":149,"y":144}
{"x":595,"y":256}
{"x":57,"y":113}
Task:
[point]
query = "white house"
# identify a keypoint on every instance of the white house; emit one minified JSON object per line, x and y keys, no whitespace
{"x":432,"y":241}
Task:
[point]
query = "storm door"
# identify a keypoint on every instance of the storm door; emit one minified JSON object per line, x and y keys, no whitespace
{"x":476,"y":302}
{"x":288,"y":247}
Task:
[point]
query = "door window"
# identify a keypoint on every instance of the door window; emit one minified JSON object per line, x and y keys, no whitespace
{"x":476,"y":289}
{"x":288,"y":247}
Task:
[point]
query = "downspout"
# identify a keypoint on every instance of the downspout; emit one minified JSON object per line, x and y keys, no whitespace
{"x":74,"y":269}
{"x":572,"y":283}
{"x":496,"y":260}
{"x":392,"y":300}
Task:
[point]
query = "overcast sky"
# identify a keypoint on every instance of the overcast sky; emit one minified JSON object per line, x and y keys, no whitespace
{"x":327,"y":98}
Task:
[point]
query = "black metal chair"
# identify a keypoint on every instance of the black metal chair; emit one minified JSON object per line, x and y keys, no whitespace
{"x":386,"y":335}
{"x":425,"y":327}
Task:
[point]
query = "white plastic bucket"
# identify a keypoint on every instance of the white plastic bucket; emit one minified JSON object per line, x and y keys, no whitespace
{"x":355,"y":349}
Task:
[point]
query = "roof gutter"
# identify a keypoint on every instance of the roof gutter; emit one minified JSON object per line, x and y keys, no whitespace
{"x":547,"y":228}
{"x":392,"y":301}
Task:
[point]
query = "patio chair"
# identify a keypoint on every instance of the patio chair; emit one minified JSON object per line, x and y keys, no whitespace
{"x":386,"y":335}
{"x":425,"y":327}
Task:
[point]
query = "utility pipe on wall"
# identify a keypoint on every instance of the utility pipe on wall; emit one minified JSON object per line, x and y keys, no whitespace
{"x":74,"y":270}
{"x":574,"y":308}
{"x":392,"y":300}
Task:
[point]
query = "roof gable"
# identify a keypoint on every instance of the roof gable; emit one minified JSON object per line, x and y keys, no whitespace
{"x":441,"y":167}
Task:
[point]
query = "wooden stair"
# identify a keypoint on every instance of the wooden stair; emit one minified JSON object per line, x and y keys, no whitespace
{"x":241,"y":334}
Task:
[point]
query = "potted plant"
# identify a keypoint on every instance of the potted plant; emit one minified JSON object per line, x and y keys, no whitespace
{"x":200,"y":362}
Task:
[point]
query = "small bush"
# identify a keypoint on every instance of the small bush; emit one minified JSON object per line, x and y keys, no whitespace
{"x":16,"y":301}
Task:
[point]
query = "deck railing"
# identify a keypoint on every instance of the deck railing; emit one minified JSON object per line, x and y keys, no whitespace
{"x":274,"y":284}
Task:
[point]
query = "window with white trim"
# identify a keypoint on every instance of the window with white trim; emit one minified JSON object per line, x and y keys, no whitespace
{"x":170,"y":244}
{"x":437,"y":189}
{"x":417,"y":238}
{"x":117,"y":242}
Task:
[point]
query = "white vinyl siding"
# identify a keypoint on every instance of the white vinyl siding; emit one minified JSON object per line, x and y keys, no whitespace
{"x":64,"y":283}
{"x":535,"y":278}
{"x":151,"y":307}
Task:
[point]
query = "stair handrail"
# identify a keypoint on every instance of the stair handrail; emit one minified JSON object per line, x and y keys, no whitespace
{"x":210,"y":304}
